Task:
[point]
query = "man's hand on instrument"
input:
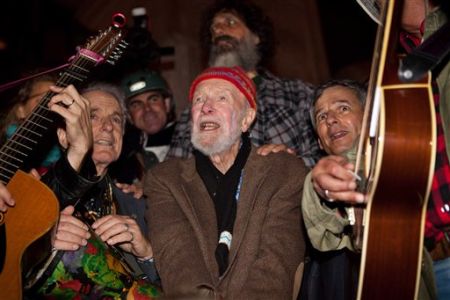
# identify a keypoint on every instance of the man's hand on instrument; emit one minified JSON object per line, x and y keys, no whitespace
{"x":71,"y":233}
{"x":6,"y":199}
{"x":77,"y":136}
{"x":125,"y":232}
{"x":33,"y":172}
{"x":333,"y":180}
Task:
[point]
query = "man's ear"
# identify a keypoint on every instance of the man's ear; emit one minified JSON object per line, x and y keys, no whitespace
{"x":320,"y":144}
{"x":248,"y":119}
{"x":127,"y":112}
{"x":20,"y":112}
{"x":167,"y":103}
{"x":256,"y":39}
{"x":62,"y":138}
{"x":129,"y":118}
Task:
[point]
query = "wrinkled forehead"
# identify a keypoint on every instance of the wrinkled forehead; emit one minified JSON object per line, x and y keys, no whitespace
{"x":226,"y":14}
{"x":104,"y":101}
{"x":336,"y":95}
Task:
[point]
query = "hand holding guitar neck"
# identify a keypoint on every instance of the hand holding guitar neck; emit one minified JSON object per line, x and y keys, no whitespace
{"x":77,"y":136}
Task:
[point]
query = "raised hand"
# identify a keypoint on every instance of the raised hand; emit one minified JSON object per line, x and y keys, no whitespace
{"x":77,"y":136}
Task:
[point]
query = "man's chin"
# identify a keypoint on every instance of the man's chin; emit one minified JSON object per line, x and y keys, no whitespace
{"x":207,"y":147}
{"x":206,"y":150}
{"x":339,"y":150}
{"x":152,"y":130}
{"x":225,"y":59}
{"x":104,"y":158}
{"x":224,"y":47}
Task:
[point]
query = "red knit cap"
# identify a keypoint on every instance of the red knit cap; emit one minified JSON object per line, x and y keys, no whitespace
{"x":234,"y":75}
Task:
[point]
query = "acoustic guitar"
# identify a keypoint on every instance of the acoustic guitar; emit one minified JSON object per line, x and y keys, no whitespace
{"x":37,"y":210}
{"x":397,"y":149}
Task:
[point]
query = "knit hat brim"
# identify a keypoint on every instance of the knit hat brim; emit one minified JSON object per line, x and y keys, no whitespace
{"x":234,"y":75}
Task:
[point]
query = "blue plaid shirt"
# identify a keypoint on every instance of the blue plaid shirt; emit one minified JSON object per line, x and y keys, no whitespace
{"x":282,"y":117}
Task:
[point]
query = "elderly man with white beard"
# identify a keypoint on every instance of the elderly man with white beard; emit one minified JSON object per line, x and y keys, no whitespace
{"x":226,"y":223}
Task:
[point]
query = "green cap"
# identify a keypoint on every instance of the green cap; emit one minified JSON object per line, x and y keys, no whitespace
{"x":143,"y":81}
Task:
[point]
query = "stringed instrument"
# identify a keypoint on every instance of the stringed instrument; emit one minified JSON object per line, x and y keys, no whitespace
{"x":397,"y":148}
{"x":37,"y":209}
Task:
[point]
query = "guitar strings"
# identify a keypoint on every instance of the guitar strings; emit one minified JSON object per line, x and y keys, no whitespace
{"x":14,"y":152}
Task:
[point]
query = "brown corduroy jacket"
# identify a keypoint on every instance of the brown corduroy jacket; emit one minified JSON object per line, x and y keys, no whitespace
{"x":268,"y":246}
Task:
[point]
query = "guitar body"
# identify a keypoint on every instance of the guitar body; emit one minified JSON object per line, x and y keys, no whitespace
{"x":402,"y":165}
{"x":33,"y":216}
{"x":392,"y":248}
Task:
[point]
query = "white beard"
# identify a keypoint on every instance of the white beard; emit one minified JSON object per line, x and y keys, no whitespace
{"x":223,"y":141}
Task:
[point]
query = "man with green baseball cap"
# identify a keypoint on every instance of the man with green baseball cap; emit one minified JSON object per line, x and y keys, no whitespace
{"x":151,"y":110}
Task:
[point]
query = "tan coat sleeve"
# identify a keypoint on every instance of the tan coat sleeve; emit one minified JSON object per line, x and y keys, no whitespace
{"x":324,"y":225}
{"x":177,"y":256}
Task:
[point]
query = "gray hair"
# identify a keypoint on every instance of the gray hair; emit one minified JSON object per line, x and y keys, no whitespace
{"x":358,"y":88}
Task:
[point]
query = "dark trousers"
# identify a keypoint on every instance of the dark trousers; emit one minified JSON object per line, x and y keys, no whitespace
{"x":330,"y":275}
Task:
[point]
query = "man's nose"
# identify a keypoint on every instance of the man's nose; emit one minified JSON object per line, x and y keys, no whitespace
{"x":331,"y":118}
{"x":217,"y":29}
{"x":207,"y":107}
{"x":148,"y":106}
{"x":107,"y":124}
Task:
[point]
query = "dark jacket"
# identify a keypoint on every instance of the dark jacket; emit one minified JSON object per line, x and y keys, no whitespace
{"x":69,"y":186}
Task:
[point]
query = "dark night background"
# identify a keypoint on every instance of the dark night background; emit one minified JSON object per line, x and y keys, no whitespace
{"x":44,"y":34}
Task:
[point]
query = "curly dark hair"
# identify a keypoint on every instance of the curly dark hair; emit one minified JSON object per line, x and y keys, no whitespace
{"x":254,"y":19}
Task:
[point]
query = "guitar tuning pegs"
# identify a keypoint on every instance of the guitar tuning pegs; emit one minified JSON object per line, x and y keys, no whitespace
{"x":123,"y":44}
{"x":117,"y":52}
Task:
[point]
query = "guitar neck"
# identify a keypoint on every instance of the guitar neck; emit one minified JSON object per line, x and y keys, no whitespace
{"x":39,"y":124}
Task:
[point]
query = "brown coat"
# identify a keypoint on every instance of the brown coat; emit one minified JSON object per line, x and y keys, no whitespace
{"x":268,"y":244}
